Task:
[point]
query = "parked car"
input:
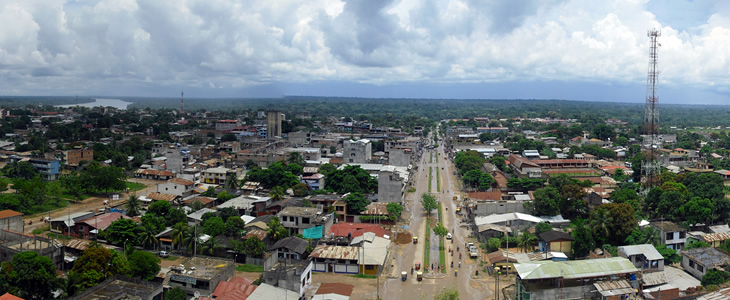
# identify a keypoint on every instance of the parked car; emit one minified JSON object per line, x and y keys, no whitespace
{"x":448,"y":236}
{"x":163,"y":253}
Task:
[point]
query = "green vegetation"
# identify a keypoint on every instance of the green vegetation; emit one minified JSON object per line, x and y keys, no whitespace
{"x":364,"y":276}
{"x":250,"y":268}
{"x":438,"y":181}
{"x":411,"y":189}
{"x":430,"y":178}
{"x":135,"y":186}
{"x":427,"y":245}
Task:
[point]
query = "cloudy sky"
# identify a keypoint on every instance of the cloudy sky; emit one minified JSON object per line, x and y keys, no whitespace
{"x":552,"y":49}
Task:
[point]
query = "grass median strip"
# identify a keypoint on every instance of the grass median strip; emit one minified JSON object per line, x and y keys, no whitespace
{"x":430,"y":172}
{"x":427,"y":245}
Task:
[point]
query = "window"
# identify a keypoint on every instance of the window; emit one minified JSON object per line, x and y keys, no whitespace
{"x":700,"y":268}
{"x":369,"y":267}
{"x":305,"y":220}
{"x":691,"y":263}
{"x":670,"y":236}
{"x":682,"y":234}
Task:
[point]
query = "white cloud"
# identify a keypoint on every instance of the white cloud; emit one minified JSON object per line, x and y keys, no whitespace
{"x":59,"y":46}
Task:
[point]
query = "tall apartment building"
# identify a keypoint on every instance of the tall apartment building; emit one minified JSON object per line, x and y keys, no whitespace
{"x":359,"y":151}
{"x":273,"y":123}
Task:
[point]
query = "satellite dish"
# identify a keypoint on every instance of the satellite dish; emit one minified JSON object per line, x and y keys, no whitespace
{"x":196,"y":294}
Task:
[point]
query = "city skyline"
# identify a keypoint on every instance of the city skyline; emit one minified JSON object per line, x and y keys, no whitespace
{"x":401,"y":49}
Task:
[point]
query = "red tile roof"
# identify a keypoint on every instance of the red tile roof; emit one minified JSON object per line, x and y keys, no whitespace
{"x":9,"y":213}
{"x":357,"y":229}
{"x":103,"y":221}
{"x":235,"y":288}
{"x":9,"y":296}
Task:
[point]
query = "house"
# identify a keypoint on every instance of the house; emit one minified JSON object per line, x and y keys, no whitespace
{"x":233,"y":289}
{"x":374,"y":251}
{"x":392,"y":183}
{"x":352,"y":230}
{"x":575,"y":279}
{"x":12,"y":221}
{"x":715,"y":239}
{"x":200,"y":274}
{"x":556,"y":241}
{"x":488,"y":231}
{"x":333,"y":290}
{"x":75,"y":157}
{"x":197,"y":217}
{"x":48,"y":169}
{"x":293,"y":247}
{"x":177,"y":186}
{"x":293,"y":275}
{"x":296,"y":219}
{"x":63,"y":223}
{"x":523,"y":167}
{"x":375,"y":212}
{"x":246,"y":205}
{"x":153,"y":174}
{"x":315,"y":181}
{"x":505,"y":260}
{"x":12,"y":243}
{"x":266,"y":291}
{"x":335,"y":259}
{"x":122,"y":287}
{"x":89,"y":228}
{"x":698,"y":261}
{"x":9,"y":296}
{"x":152,"y":197}
{"x":218,"y":175}
{"x":518,"y":221}
{"x":644,"y":257}
{"x":673,"y":236}
{"x":207,"y":202}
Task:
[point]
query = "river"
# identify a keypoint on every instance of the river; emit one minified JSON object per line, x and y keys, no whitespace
{"x":116,"y":103}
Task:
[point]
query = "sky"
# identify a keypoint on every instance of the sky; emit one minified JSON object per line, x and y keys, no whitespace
{"x":477,"y":49}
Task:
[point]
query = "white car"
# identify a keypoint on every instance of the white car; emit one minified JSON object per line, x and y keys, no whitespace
{"x":448,"y":236}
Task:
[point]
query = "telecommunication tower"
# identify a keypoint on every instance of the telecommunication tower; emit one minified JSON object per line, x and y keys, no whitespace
{"x":650,"y":166}
{"x":182,"y":104}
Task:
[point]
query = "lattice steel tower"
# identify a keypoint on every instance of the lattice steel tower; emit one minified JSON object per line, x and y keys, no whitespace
{"x":650,"y":166}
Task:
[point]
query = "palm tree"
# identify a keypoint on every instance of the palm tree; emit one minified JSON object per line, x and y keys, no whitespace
{"x":180,"y":232}
{"x":527,"y":242}
{"x":148,"y":236}
{"x":277,"y":193}
{"x":276,"y":230}
{"x":601,"y":221}
{"x":231,"y":182}
{"x":209,"y":246}
{"x":133,"y":205}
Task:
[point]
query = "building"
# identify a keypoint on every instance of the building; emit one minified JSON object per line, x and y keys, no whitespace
{"x":556,"y":241}
{"x":644,"y":257}
{"x":12,"y":243}
{"x":314,"y":181}
{"x":335,"y":259}
{"x":48,"y":169}
{"x":196,"y":218}
{"x":392,"y":184}
{"x":523,"y":167}
{"x":75,"y":157}
{"x":63,"y":223}
{"x":290,"y":274}
{"x":122,"y":287}
{"x":578,"y":279}
{"x":359,"y":151}
{"x":153,"y":174}
{"x":296,"y":219}
{"x":234,"y":289}
{"x":293,"y":248}
{"x":266,"y":291}
{"x":518,"y":221}
{"x":201,"y":274}
{"x":89,"y":228}
{"x":226,"y":125}
{"x":216,"y":175}
{"x":12,"y":221}
{"x":333,"y":290}
{"x":247,"y":205}
{"x":400,"y":157}
{"x":273,"y":124}
{"x":698,"y":261}
{"x":672,"y":235}
{"x":177,"y":186}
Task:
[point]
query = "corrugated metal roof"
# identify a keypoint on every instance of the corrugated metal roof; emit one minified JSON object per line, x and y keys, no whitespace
{"x":647,"y":250}
{"x":614,"y":288}
{"x":654,"y":278}
{"x":335,"y":252}
{"x":716,"y":295}
{"x":715,"y":237}
{"x":575,"y":269}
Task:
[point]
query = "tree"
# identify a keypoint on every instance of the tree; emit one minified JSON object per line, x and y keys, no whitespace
{"x":542,"y":227}
{"x":499,"y":161}
{"x":228,"y":137}
{"x":276,"y":231}
{"x":705,"y":185}
{"x":175,"y":216}
{"x":224,"y":196}
{"x":231,"y":183}
{"x":670,"y":203}
{"x":715,"y":276}
{"x":527,"y":242}
{"x":234,"y":226}
{"x":277,"y":193}
{"x":440,"y":230}
{"x":583,"y":243}
{"x":144,"y":265}
{"x":493,"y":244}
{"x":350,"y":179}
{"x":29,"y":276}
{"x":197,"y":205}
{"x":106,"y":178}
{"x":697,"y":210}
{"x":429,"y":202}
{"x":22,"y":169}
{"x":75,"y":185}
{"x":356,"y":203}
{"x":546,"y":201}
{"x":180,"y":233}
{"x":300,"y":190}
{"x":120,"y":231}
{"x":697,"y":244}
{"x":133,"y":206}
{"x":147,"y":236}
{"x":644,"y":235}
{"x":176,"y":294}
{"x":669,"y":255}
{"x":228,"y":212}
{"x":254,"y":247}
{"x":394,"y":211}
{"x":159,"y":208}
{"x":97,"y":264}
{"x":296,"y":158}
{"x":214,"y":227}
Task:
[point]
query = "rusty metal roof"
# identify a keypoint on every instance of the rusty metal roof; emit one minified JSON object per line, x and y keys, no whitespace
{"x":614,"y":288}
{"x":335,"y":252}
{"x":161,"y":196}
{"x":716,"y":237}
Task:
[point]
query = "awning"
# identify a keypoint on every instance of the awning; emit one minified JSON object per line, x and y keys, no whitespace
{"x":313,"y":233}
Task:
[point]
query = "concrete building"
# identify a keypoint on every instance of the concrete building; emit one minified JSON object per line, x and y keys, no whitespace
{"x":177,"y":186}
{"x":273,"y":124}
{"x":226,"y":125}
{"x":12,"y":243}
{"x":290,"y":274}
{"x":400,"y":157}
{"x":201,"y":274}
{"x":216,"y":175}
{"x":298,"y":138}
{"x":672,"y":235}
{"x":644,"y":257}
{"x":12,"y":221}
{"x":556,"y":241}
{"x":392,"y":183}
{"x":359,"y":151}
{"x":296,"y":219}
{"x":48,"y":169}
{"x":698,"y":261}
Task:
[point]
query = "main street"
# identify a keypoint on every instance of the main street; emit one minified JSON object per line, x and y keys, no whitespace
{"x":469,"y":286}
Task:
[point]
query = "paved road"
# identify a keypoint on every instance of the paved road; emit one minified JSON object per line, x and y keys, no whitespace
{"x":407,"y":255}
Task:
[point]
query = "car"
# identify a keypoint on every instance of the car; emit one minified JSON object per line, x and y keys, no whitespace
{"x":163,"y":253}
{"x":448,"y":236}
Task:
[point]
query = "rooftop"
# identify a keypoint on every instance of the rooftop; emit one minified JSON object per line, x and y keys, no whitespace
{"x":667,"y":226}
{"x":181,"y":181}
{"x":299,"y":211}
{"x":575,"y":269}
{"x":335,"y":252}
{"x":709,"y":257}
{"x":104,"y":220}
{"x":205,"y":267}
{"x":555,"y":235}
{"x":161,"y":197}
{"x":9,"y":213}
{"x":268,"y":292}
{"x":335,"y":288}
{"x":646,"y":249}
{"x":292,"y":243}
{"x":119,"y":287}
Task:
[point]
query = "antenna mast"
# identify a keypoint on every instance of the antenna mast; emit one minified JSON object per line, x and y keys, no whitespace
{"x":650,"y":166}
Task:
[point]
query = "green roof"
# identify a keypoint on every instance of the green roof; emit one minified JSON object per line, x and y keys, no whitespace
{"x":575,"y":269}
